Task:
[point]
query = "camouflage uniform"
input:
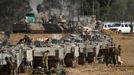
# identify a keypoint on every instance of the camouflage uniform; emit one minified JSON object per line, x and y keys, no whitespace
{"x":45,"y":60}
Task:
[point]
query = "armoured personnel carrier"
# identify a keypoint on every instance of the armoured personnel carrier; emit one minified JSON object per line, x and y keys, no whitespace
{"x":56,"y":53}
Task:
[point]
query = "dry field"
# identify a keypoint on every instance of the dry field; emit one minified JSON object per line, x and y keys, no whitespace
{"x":127,"y":68}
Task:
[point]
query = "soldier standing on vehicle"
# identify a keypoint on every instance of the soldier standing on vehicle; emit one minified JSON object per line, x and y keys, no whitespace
{"x":27,"y":40}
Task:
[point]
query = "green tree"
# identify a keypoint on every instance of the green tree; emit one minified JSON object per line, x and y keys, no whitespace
{"x":10,"y":11}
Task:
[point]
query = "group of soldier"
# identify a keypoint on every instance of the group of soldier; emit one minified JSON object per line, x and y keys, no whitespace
{"x":109,"y":55}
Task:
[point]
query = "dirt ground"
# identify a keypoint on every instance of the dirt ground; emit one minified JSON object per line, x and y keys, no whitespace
{"x":127,"y":68}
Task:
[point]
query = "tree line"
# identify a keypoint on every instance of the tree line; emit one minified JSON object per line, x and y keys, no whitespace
{"x":110,"y":10}
{"x":106,"y":10}
{"x":11,"y":11}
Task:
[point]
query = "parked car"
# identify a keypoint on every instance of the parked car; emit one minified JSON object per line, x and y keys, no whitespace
{"x":121,"y":27}
{"x":107,"y":25}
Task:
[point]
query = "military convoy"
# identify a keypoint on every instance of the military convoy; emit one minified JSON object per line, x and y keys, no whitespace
{"x":69,"y":51}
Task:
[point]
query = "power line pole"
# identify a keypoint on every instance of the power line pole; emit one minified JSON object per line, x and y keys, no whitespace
{"x":82,"y":8}
{"x":93,"y":8}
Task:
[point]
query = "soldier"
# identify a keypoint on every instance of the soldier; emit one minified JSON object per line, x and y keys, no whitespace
{"x":9,"y":66}
{"x":45,"y":60}
{"x":106,"y":55}
{"x":119,"y":48}
{"x":109,"y":55}
{"x":113,"y":54}
{"x":76,"y":54}
{"x":94,"y":54}
{"x":119,"y":54}
{"x":105,"y":52}
{"x":61,"y":56}
{"x":20,"y":41}
{"x":27,"y":40}
{"x":100,"y":55}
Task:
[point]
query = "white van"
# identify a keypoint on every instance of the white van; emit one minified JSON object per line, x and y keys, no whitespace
{"x":121,"y":27}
